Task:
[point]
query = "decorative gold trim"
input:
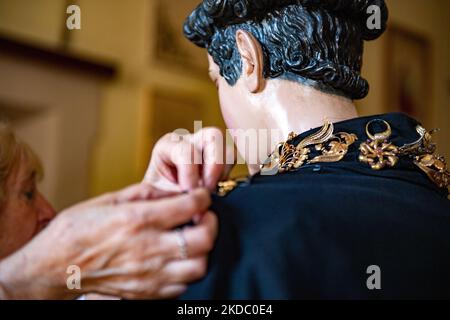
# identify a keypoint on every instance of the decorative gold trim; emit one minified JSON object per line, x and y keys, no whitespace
{"x":225,"y":187}
{"x":381,"y":135}
{"x":336,"y":149}
{"x":424,"y":145}
{"x":435,"y":168}
{"x":423,"y":153}
{"x":378,"y":152}
{"x":288,"y":157}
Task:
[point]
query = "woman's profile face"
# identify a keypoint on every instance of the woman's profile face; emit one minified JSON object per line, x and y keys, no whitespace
{"x":24,"y":212}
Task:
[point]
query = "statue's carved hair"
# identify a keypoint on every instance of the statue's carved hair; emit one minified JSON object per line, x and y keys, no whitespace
{"x":316,"y":42}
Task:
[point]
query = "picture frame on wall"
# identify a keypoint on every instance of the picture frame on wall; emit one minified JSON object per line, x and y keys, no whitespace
{"x":409,"y":79}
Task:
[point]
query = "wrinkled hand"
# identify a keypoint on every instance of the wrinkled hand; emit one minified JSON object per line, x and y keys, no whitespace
{"x":123,"y":243}
{"x":181,"y":163}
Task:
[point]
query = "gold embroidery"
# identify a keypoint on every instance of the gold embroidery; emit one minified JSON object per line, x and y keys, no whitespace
{"x":378,"y":152}
{"x":293,"y":157}
{"x":423,"y":153}
{"x":424,"y":145}
{"x":435,"y":168}
{"x":225,"y":187}
{"x":336,"y":149}
{"x":287,"y":156}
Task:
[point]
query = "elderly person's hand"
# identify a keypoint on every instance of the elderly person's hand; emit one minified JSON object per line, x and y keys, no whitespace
{"x":124,"y":244}
{"x":185,"y":162}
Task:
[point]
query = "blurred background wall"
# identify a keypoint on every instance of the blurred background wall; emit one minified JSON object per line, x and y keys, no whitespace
{"x":107,"y":92}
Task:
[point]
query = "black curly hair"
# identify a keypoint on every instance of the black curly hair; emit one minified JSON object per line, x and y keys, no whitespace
{"x":315,"y":42}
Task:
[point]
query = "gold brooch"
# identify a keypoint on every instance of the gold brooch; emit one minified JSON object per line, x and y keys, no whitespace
{"x":435,"y":168}
{"x":225,"y":187}
{"x":336,"y":149}
{"x":287,"y":156}
{"x":378,"y":152}
{"x":424,"y":145}
{"x":423,"y":152}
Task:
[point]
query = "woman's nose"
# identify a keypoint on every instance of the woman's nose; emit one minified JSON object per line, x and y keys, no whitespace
{"x":46,"y":213}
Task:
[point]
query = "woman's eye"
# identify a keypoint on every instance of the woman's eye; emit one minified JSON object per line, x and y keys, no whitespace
{"x":30,"y":195}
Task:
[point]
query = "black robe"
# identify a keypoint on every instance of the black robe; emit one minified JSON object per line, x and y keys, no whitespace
{"x":313,"y":233}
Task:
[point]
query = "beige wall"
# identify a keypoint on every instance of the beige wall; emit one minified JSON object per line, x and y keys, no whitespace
{"x":124,"y":31}
{"x":39,"y":20}
{"x":61,"y":125}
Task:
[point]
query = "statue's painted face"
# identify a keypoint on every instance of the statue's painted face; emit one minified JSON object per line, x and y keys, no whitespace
{"x":244,"y":115}
{"x":232,"y":99}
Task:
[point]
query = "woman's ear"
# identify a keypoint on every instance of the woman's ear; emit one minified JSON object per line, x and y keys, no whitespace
{"x":252,"y":60}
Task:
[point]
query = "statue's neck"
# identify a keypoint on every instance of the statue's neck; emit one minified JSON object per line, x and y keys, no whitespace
{"x":297,"y":108}
{"x":290,"y":107}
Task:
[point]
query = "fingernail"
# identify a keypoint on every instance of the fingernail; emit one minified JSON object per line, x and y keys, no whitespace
{"x":197,"y":218}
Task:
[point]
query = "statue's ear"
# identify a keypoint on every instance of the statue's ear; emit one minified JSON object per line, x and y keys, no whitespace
{"x":252,"y":60}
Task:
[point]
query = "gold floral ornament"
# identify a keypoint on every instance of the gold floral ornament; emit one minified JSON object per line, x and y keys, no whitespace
{"x":423,"y":153}
{"x":435,"y":168}
{"x":336,"y":149}
{"x":424,"y":145}
{"x":288,"y":157}
{"x":378,"y":152}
